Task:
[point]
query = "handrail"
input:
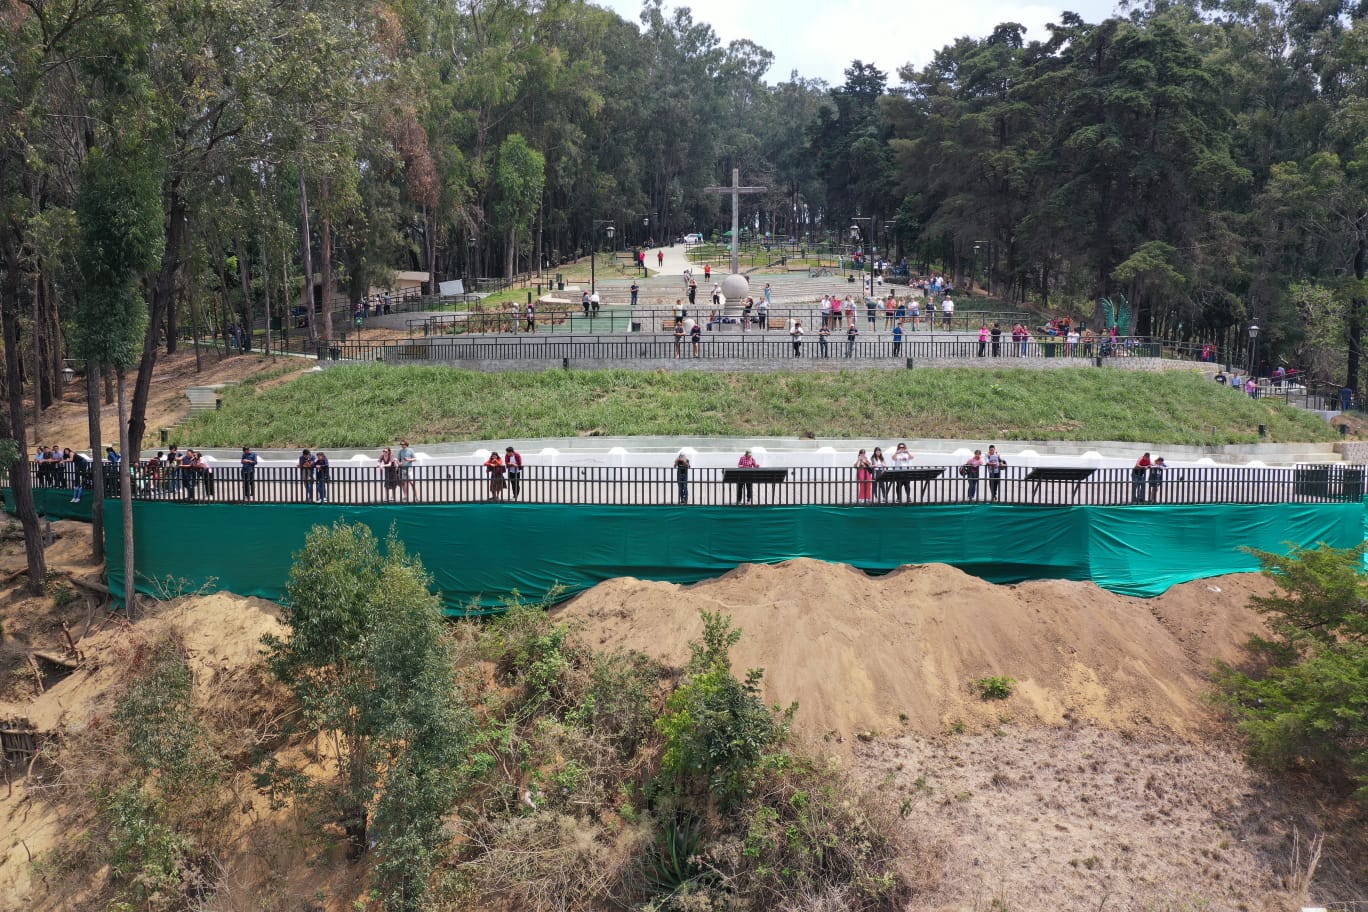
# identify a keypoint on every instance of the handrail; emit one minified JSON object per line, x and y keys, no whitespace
{"x":660,"y":485}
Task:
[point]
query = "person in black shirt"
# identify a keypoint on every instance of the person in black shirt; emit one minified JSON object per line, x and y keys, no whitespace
{"x":249,"y":464}
{"x":321,"y":475}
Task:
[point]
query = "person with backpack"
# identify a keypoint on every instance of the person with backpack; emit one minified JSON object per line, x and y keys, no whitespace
{"x":995,"y":464}
{"x":970,"y":471}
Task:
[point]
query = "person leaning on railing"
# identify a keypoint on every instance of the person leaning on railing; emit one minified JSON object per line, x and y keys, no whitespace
{"x":747,"y":461}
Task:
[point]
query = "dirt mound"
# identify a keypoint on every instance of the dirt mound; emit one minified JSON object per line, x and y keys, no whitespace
{"x":902,"y":652}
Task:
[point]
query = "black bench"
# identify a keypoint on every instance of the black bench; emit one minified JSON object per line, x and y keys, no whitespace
{"x":1043,"y":475}
{"x":906,"y":476}
{"x":744,"y":478}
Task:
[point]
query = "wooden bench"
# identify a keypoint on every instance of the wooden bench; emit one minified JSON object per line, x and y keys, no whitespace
{"x":1058,"y":476}
{"x":907,"y":476}
{"x":778,"y":323}
{"x":745,"y":478}
{"x":669,"y":325}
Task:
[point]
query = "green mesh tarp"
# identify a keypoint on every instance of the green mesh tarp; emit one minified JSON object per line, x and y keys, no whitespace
{"x":477,"y":553}
{"x":55,"y":503}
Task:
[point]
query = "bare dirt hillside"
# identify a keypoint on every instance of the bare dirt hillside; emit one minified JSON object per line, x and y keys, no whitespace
{"x":64,"y":422}
{"x":1104,"y":781}
{"x":900,"y":653}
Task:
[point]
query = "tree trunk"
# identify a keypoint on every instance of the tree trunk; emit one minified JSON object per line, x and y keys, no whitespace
{"x":97,"y":487}
{"x":266,"y":294}
{"x":325,"y":259}
{"x":21,"y":482}
{"x":245,"y":280}
{"x":163,"y":290}
{"x":126,"y":494}
{"x":308,"y":260}
{"x":1358,"y":304}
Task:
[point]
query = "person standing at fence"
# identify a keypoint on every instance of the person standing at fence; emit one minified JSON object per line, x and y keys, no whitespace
{"x":880,"y":466}
{"x":851,"y":333}
{"x":996,"y":334}
{"x":513,"y":464}
{"x":746,"y":487}
{"x":1156,"y":478}
{"x":322,"y":475}
{"x":681,"y":467}
{"x":173,"y":472}
{"x":80,"y":475}
{"x":825,"y":308}
{"x":947,"y":312}
{"x":914,"y":311}
{"x":902,"y":463}
{"x":389,"y":472}
{"x":249,"y":467}
{"x":531,"y":318}
{"x":678,"y":333}
{"x":864,"y":476}
{"x":823,"y":335}
{"x":188,"y":475}
{"x":205,"y":471}
{"x":849,"y":308}
{"x":983,"y":341}
{"x":495,"y":469}
{"x":406,"y":458}
{"x":696,"y":336}
{"x":995,"y":464}
{"x":1138,"y":473}
{"x":796,"y":334}
{"x":970,"y":471}
{"x":897,"y":338}
{"x":306,"y":474}
{"x":762,"y":309}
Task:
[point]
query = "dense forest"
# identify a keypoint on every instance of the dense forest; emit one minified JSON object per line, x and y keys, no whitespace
{"x":167,"y":169}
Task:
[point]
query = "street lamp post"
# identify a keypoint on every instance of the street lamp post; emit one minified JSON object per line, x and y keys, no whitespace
{"x":593,"y":254}
{"x":645,"y":239}
{"x":869,"y":245}
{"x":1254,"y":350}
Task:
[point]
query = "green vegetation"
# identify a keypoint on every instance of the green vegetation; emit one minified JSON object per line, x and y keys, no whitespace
{"x":372,"y":405}
{"x":534,"y":773}
{"x":995,"y":687}
{"x":368,"y":662}
{"x":1303,"y":702}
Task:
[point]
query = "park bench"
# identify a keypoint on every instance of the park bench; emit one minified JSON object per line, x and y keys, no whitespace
{"x":1058,"y":475}
{"x":901,"y":476}
{"x":739,"y":476}
{"x":778,"y":323}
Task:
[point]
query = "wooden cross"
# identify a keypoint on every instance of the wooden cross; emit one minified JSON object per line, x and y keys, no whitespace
{"x":735,"y":190}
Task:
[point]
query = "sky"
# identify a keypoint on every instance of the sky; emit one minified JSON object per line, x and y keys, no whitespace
{"x":819,"y":38}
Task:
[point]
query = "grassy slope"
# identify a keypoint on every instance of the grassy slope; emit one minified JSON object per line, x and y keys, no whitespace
{"x":366,"y":406}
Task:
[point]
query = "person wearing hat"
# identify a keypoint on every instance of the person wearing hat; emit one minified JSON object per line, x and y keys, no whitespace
{"x":513,"y":466}
{"x":249,"y":464}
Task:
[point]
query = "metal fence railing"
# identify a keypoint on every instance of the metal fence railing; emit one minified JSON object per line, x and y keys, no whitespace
{"x":771,"y":485}
{"x":773,"y":345}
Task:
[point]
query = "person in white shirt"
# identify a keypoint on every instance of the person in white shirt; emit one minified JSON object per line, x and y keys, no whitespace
{"x":826,"y":311}
{"x":947,"y":312}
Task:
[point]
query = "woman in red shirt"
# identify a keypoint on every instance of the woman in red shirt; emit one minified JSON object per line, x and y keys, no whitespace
{"x":495,"y":467}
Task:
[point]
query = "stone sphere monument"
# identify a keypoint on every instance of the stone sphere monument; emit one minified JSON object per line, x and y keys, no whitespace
{"x":735,"y":288}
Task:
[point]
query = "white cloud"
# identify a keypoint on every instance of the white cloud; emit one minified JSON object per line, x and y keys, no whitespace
{"x":821,"y":39}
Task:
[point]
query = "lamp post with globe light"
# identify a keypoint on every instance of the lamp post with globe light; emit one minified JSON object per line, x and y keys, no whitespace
{"x":1254,"y":350}
{"x":593,"y":254}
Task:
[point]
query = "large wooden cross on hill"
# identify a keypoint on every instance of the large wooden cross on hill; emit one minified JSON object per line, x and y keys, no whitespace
{"x":735,"y":190}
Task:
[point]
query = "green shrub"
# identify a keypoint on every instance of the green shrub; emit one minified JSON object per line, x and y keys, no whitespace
{"x":1303,"y":702}
{"x":996,"y":687}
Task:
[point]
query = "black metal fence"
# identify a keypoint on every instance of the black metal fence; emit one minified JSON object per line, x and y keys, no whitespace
{"x":774,"y":345}
{"x":922,"y":484}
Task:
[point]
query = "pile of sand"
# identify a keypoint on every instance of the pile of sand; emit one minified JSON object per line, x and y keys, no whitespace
{"x":901,"y":652}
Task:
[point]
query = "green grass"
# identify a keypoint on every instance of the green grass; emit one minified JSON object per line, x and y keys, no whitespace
{"x":372,"y":405}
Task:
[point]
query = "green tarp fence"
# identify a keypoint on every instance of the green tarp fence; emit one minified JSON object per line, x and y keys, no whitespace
{"x":477,"y":553}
